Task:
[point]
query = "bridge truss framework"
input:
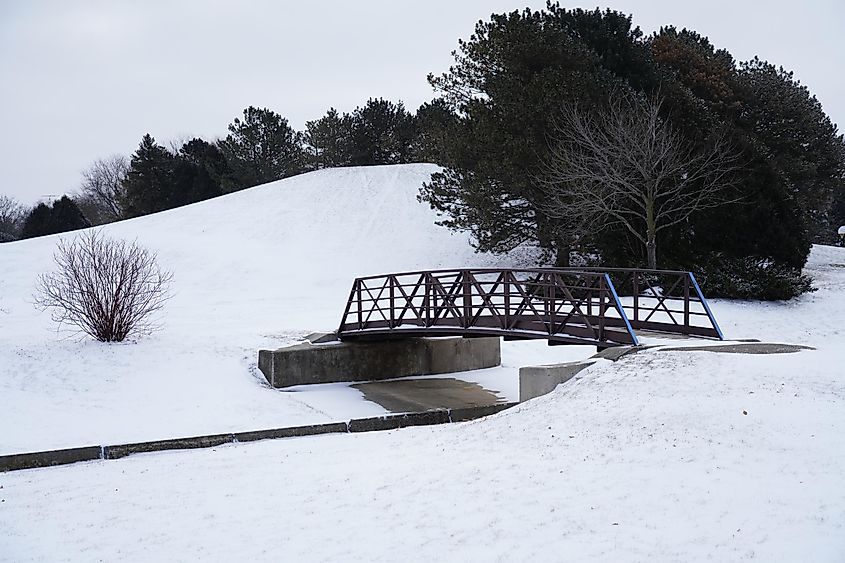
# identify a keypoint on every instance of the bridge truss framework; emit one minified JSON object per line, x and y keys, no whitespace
{"x":600,"y":307}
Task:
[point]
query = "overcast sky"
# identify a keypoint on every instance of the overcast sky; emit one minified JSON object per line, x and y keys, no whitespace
{"x":84,"y":79}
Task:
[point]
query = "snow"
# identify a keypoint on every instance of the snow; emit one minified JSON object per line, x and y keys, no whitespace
{"x":661,"y":456}
{"x":255,"y":269}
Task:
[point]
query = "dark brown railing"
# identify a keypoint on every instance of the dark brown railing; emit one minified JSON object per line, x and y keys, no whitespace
{"x":561,"y":305}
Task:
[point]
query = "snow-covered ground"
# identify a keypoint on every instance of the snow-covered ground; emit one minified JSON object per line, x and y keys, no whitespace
{"x":256,"y":269}
{"x":662,"y":456}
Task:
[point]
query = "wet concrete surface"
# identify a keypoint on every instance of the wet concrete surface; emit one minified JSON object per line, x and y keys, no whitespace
{"x":743,"y":348}
{"x":415,"y":395}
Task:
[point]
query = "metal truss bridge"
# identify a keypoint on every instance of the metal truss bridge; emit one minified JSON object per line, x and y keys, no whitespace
{"x":600,"y":307}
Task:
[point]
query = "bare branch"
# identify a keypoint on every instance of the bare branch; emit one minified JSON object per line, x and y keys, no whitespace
{"x":102,"y":186}
{"x":625,"y":165}
{"x":12,"y":216}
{"x":107,"y":288}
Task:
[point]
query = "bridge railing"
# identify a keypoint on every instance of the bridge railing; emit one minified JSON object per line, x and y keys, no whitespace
{"x":664,"y":301}
{"x":560,"y":306}
{"x":563,"y":305}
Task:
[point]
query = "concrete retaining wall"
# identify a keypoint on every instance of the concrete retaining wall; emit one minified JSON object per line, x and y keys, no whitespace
{"x":540,"y":380}
{"x":49,"y":458}
{"x":367,"y":361}
{"x":535,"y":381}
{"x":34,"y":460}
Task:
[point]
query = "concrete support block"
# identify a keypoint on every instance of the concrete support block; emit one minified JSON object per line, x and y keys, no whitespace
{"x":367,"y":361}
{"x":448,"y":355}
{"x":535,"y":381}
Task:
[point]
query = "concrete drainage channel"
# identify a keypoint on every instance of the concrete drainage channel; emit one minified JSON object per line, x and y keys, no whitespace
{"x":390,"y":422}
{"x":322,"y":358}
{"x":319,"y":364}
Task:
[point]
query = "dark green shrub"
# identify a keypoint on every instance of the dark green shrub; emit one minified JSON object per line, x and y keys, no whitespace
{"x":751,"y":277}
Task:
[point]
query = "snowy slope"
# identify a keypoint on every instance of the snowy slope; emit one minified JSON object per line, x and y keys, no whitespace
{"x":662,"y":456}
{"x":253,"y":269}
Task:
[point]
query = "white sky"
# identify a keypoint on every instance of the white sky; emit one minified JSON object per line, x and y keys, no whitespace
{"x":84,"y":79}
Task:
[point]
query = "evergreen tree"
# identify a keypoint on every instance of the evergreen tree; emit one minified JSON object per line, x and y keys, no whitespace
{"x":199,"y":173}
{"x":435,"y":122}
{"x":512,"y":76}
{"x":797,"y":139}
{"x":793,"y":156}
{"x":507,"y":84}
{"x":60,"y":217}
{"x":66,"y":216}
{"x":699,"y":79}
{"x":37,"y":223}
{"x":382,"y":133}
{"x":148,"y":186}
{"x":328,"y":139}
{"x":262,"y":148}
{"x":704,"y":98}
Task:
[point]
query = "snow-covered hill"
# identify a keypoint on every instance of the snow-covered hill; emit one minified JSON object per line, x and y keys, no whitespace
{"x":254,"y":269}
{"x":662,"y":456}
{"x":257,"y":253}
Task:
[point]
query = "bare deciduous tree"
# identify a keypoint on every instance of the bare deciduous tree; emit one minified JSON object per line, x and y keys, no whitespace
{"x":102,"y":188}
{"x":12,"y":215}
{"x":627,"y":166}
{"x":107,"y":288}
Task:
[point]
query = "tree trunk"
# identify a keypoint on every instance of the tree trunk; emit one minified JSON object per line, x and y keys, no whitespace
{"x":651,"y":234}
{"x":651,"y":248}
{"x":562,"y":256}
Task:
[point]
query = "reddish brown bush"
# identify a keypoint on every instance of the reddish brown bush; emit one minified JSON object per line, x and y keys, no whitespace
{"x":107,"y":288}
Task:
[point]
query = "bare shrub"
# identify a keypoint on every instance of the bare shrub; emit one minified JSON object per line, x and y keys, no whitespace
{"x":108,"y":288}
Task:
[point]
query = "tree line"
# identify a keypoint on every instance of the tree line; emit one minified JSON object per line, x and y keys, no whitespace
{"x":567,"y":129}
{"x":260,"y":147}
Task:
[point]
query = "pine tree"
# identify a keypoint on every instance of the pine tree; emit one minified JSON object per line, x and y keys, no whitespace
{"x":262,"y":148}
{"x":37,"y":223}
{"x":200,"y":172}
{"x":382,"y":133}
{"x":707,"y":74}
{"x":328,"y":139}
{"x":66,"y":216}
{"x":507,"y":84}
{"x":435,"y":122}
{"x":148,"y":186}
{"x":798,"y":141}
{"x":60,"y":217}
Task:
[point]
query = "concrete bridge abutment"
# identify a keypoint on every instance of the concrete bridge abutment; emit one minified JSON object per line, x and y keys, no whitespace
{"x":333,"y":361}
